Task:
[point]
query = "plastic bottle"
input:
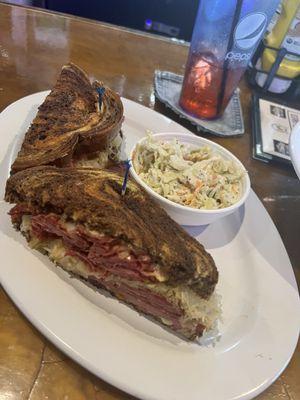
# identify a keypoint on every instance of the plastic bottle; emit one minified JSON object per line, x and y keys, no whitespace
{"x":286,"y":33}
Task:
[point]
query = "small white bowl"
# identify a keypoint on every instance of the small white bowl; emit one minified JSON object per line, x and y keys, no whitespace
{"x":294,"y":148}
{"x":187,"y":215}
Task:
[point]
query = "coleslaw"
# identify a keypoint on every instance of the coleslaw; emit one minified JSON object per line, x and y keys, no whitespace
{"x":194,"y":177}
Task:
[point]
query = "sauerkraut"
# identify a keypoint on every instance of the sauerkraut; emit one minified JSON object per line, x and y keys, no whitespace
{"x":101,"y":158}
{"x":194,"y":177}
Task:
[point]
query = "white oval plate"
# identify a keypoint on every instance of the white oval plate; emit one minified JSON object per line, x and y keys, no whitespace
{"x":261,"y":308}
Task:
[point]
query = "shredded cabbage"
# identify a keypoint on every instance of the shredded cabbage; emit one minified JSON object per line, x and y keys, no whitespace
{"x":194,"y":177}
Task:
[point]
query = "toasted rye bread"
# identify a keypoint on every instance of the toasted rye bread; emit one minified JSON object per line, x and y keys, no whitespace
{"x":93,"y":197}
{"x":70,"y":122}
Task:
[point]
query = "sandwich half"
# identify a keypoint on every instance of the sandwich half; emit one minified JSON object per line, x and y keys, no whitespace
{"x":73,"y":125}
{"x":127,"y":245}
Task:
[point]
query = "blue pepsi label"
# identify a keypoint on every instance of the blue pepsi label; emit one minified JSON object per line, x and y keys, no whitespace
{"x":249,"y":30}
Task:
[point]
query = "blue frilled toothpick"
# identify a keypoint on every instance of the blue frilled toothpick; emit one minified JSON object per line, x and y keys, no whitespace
{"x":100,"y":91}
{"x":127,"y":165}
